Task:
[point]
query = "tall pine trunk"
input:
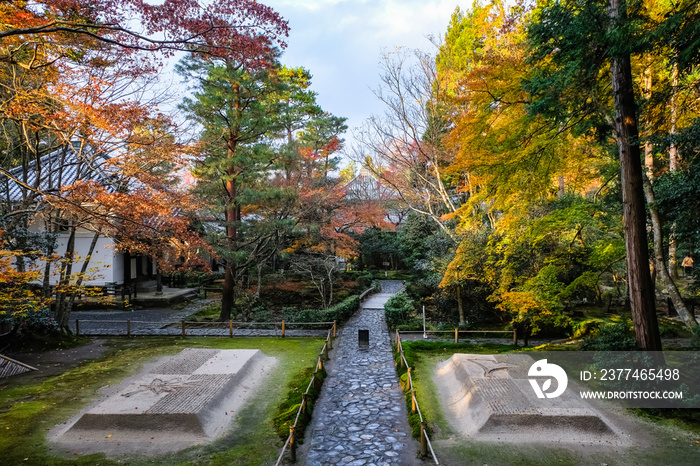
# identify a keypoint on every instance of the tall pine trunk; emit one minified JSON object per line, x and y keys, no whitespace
{"x":232,"y":217}
{"x":227,"y":296}
{"x":641,"y":288}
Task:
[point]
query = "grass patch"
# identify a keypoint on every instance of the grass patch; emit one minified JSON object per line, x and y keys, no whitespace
{"x":28,"y":411}
{"x":419,"y":348}
{"x":208,"y":313}
{"x":669,"y":437}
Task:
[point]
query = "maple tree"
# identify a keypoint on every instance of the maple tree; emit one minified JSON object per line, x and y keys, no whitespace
{"x":38,"y":33}
{"x":75,"y":73}
{"x":16,"y":296}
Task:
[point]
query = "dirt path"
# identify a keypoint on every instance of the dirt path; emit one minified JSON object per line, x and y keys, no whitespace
{"x":54,"y":362}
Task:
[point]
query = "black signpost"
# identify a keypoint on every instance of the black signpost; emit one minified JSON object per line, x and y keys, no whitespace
{"x":363,"y":338}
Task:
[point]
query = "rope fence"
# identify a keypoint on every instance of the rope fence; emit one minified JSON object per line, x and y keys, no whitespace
{"x":425,"y":444}
{"x":316,"y":381}
{"x":281,"y":326}
{"x":457,"y":331}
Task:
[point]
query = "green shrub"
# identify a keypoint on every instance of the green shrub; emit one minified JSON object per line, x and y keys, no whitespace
{"x":673,"y":329}
{"x":306,"y":315}
{"x":586,"y":328}
{"x":39,"y":322}
{"x":544,"y":324}
{"x":341,"y":312}
{"x":362,"y":278}
{"x":695,"y":339}
{"x":612,"y":337}
{"x":398,"y":309}
{"x":344,"y":309}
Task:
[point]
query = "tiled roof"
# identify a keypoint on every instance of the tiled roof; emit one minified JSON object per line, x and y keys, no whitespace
{"x":59,"y":168}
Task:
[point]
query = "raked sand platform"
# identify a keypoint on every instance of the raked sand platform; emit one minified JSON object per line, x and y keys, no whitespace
{"x":489,"y":397}
{"x":173,"y":403}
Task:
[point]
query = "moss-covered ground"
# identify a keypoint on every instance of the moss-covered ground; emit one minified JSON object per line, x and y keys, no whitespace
{"x":29,"y":408}
{"x":674,"y":440}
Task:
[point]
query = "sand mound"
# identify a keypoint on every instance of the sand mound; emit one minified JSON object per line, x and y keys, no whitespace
{"x":174,"y":403}
{"x":490,"y":397}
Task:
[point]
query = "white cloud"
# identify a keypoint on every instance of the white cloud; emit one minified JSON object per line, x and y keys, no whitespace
{"x":340,"y":42}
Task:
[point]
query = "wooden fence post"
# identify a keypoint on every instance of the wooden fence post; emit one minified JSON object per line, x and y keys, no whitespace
{"x":335,"y":326}
{"x":456,"y":335}
{"x":515,"y":336}
{"x":292,"y":444}
{"x":77,"y":328}
{"x":283,"y":329}
{"x":413,"y":401}
{"x":128,"y":328}
{"x":320,"y":364}
{"x":303,"y":403}
{"x":230,"y":329}
{"x":183,"y":329}
{"x":423,"y":440}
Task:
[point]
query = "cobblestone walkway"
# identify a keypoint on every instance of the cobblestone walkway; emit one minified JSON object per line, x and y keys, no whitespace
{"x":360,"y":417}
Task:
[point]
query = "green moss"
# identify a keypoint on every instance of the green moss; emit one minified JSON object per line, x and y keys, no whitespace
{"x":287,"y":410}
{"x":29,"y":409}
{"x":675,"y":433}
{"x":210,"y":312}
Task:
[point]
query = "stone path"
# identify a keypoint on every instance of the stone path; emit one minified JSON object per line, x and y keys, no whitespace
{"x":360,"y":417}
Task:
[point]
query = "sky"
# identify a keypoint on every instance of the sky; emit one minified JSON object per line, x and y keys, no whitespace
{"x":341,"y":41}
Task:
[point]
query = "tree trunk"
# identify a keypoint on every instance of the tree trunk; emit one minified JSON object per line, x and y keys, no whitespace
{"x":663,"y":273}
{"x":562,"y":188}
{"x":231,"y":211}
{"x":648,"y":150}
{"x":641,"y":288}
{"x":673,"y":150}
{"x":227,"y":295}
{"x":673,"y":253}
{"x":62,"y":312}
{"x":673,"y":166}
{"x":259,"y":268}
{"x":460,"y":307}
{"x":83,"y":271}
{"x":50,"y":250}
